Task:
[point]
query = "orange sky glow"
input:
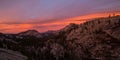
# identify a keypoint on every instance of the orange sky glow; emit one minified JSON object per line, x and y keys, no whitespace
{"x":43,"y":15}
{"x":55,"y":25}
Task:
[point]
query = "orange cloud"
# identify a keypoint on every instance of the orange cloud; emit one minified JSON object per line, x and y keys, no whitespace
{"x":95,"y":15}
{"x":84,"y":18}
{"x":8,"y":28}
{"x":54,"y":25}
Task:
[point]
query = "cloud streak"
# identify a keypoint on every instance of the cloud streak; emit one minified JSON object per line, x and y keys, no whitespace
{"x":43,"y":15}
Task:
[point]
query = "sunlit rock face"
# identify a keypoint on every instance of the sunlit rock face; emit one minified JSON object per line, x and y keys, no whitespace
{"x":98,"y":39}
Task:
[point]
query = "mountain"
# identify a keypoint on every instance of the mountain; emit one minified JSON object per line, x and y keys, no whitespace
{"x":70,"y":27}
{"x":98,"y":39}
{"x":29,"y":33}
{"x":35,"y":33}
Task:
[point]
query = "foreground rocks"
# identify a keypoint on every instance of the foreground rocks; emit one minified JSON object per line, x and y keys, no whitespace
{"x":11,"y":55}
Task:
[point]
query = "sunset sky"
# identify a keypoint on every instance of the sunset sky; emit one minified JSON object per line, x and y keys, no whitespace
{"x":44,"y":15}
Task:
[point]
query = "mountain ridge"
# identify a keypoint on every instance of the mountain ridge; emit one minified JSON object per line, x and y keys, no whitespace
{"x":97,"y":39}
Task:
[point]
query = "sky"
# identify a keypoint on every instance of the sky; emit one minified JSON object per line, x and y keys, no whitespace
{"x":43,"y":15}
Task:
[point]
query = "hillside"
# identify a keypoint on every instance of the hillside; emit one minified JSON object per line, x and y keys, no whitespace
{"x":11,"y":55}
{"x":98,"y":39}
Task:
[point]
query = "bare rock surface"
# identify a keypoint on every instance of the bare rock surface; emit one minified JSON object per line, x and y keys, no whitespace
{"x":11,"y":55}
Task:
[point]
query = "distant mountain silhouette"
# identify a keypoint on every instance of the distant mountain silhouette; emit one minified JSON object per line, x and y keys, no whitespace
{"x":30,"y":33}
{"x":98,"y":39}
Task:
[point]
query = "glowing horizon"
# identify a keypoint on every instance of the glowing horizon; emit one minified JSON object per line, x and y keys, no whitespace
{"x":50,"y":26}
{"x":43,"y":15}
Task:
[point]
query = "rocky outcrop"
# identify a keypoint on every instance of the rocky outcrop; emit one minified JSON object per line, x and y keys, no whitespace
{"x":6,"y":54}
